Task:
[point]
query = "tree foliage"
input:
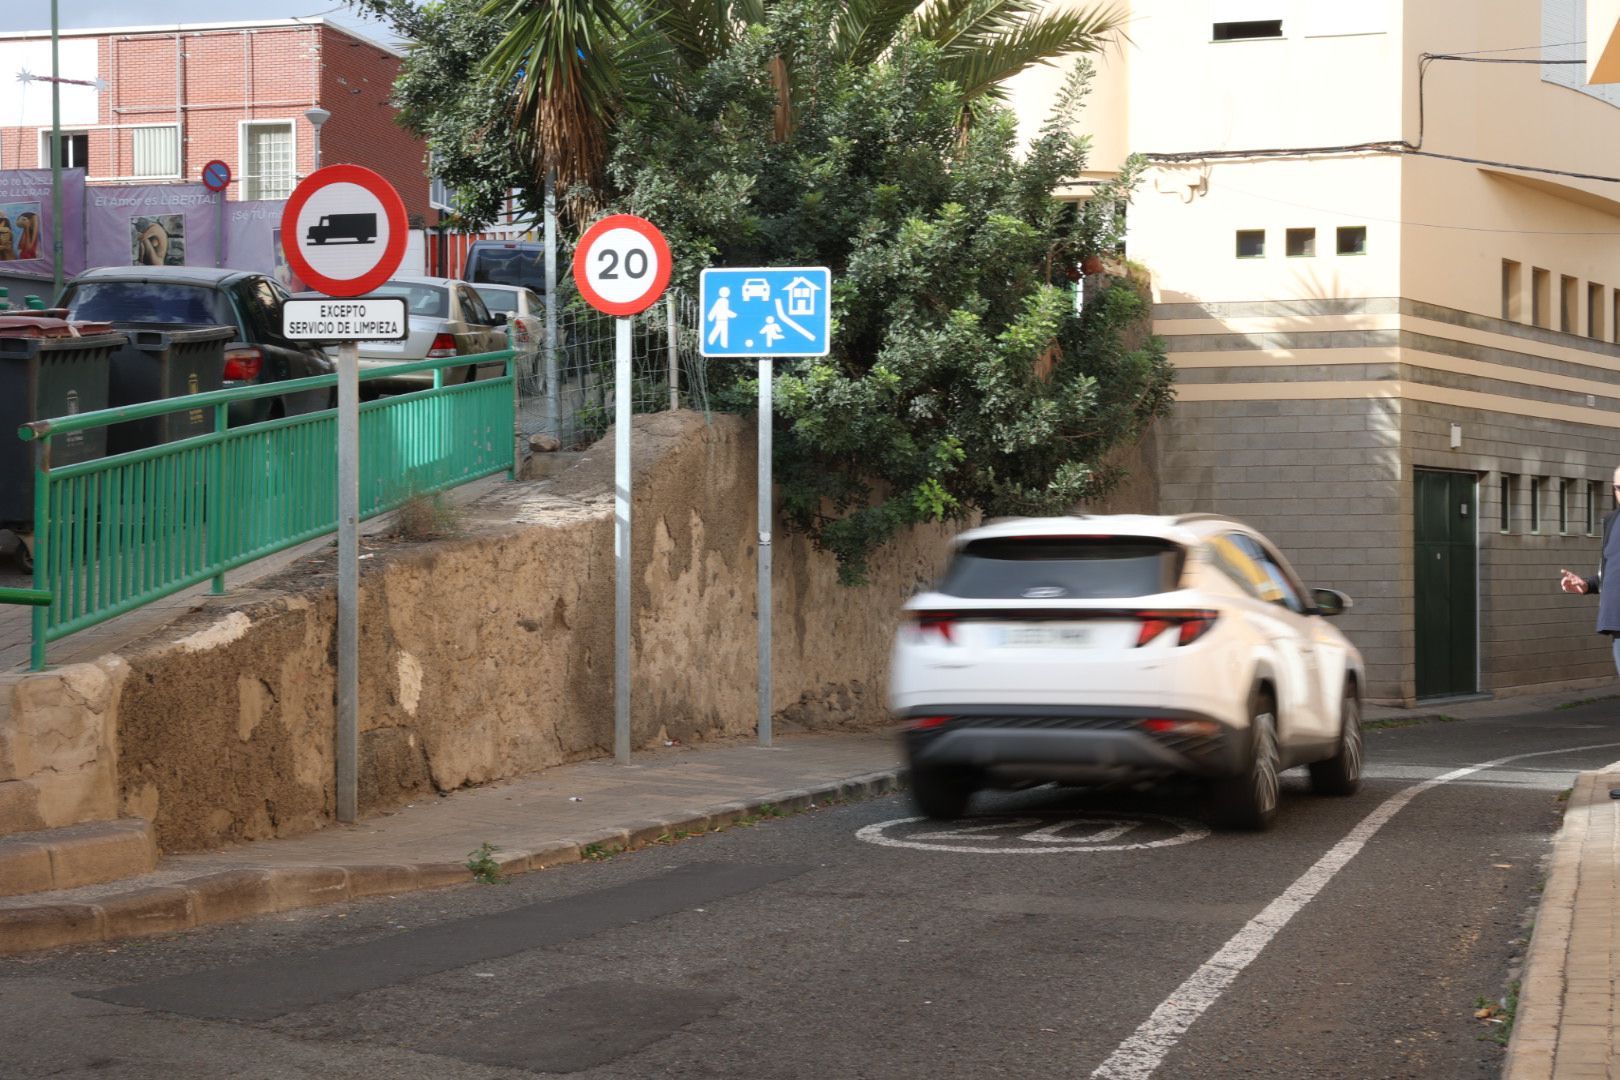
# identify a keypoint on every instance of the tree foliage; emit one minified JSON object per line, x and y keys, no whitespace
{"x":463,"y":114}
{"x":864,"y":135}
{"x":961,"y":379}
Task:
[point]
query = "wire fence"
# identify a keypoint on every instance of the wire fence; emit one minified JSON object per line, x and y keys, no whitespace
{"x":667,"y":372}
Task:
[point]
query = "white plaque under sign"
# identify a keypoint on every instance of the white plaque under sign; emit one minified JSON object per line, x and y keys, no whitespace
{"x":360,"y":318}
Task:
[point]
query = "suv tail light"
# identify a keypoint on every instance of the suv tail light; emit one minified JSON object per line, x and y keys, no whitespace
{"x":923,"y":723}
{"x":243,"y":365}
{"x":1164,"y":726}
{"x":935,"y":622}
{"x":443,"y":345}
{"x":1191,"y":625}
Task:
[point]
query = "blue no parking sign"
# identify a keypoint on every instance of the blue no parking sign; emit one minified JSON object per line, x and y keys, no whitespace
{"x":766,"y":311}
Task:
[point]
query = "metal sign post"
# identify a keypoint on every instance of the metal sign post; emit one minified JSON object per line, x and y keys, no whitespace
{"x":344,"y":230}
{"x":779,"y":311}
{"x":763,"y":587}
{"x":374,"y":318}
{"x":621,"y":266}
{"x":216,"y":177}
{"x":622,"y":382}
{"x":348,"y":598}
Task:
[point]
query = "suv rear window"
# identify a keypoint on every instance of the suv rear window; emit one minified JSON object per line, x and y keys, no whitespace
{"x":1063,"y":568}
{"x":509,"y":266}
{"x":142,"y":301}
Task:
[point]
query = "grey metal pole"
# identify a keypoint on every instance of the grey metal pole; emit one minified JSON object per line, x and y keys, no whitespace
{"x":763,"y":589}
{"x":553,"y":392}
{"x":56,"y":159}
{"x":672,"y":328}
{"x":348,"y":600}
{"x":622,"y":390}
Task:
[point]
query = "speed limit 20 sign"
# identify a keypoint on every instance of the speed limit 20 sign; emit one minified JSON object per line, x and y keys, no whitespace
{"x":622,"y":265}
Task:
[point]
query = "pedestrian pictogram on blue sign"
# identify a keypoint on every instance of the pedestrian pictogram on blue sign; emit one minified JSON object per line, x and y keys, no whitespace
{"x":767,"y":311}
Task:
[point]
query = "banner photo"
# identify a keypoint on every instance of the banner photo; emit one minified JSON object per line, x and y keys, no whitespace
{"x":152,"y":225}
{"x":253,"y":240}
{"x":28,"y":228}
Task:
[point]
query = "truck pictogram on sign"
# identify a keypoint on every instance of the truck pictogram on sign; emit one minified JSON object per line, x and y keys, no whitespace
{"x":356,"y":228}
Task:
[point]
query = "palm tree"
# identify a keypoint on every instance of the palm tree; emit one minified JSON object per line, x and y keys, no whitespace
{"x":573,"y":64}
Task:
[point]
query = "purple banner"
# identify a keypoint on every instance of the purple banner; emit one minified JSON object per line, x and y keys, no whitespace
{"x":28,"y":226}
{"x":253,"y":240}
{"x":152,"y":225}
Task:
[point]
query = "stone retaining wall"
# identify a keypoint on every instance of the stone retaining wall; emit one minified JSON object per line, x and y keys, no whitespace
{"x":490,"y":654}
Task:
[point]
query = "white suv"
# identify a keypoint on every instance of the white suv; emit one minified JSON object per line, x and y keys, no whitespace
{"x":1101,"y":649}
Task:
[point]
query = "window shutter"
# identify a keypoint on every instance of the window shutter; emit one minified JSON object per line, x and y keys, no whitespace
{"x":157,"y":151}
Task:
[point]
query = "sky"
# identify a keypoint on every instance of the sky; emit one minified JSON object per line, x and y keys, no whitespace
{"x":36,"y":14}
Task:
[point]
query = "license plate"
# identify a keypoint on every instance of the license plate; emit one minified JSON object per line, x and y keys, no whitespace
{"x":1046,"y":637}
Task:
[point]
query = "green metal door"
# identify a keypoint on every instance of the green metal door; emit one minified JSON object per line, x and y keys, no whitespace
{"x":1446,"y":580}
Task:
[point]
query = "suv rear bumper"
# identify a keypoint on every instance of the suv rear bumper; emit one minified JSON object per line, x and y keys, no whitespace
{"x":1088,"y":744}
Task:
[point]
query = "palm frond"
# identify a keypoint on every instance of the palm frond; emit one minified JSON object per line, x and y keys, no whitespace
{"x":979,"y":63}
{"x":943,"y":22}
{"x":557,"y":56}
{"x":865,"y":29}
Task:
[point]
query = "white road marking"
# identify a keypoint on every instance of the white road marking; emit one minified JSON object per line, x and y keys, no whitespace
{"x":974,"y":830}
{"x":1100,"y":834}
{"x":1138,"y":1056}
{"x":1042,"y":841}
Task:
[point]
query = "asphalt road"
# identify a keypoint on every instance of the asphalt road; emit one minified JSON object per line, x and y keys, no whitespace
{"x":1064,"y":934}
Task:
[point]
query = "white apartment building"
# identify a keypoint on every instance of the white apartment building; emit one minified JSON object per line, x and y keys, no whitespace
{"x":1384,"y":240}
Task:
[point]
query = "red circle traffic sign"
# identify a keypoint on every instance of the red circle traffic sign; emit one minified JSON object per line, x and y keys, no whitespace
{"x":343,"y":212}
{"x":622,"y":265}
{"x":216,"y":175}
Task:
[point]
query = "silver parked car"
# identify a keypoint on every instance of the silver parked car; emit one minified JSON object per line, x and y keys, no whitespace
{"x":447,"y":318}
{"x":525,"y":316}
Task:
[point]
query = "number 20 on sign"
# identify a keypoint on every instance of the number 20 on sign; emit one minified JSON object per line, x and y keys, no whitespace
{"x":622,"y":265}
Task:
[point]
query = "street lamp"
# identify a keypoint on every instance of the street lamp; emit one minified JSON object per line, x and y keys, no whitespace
{"x":316,"y":117}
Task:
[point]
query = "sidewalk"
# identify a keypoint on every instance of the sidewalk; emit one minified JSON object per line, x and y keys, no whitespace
{"x":558,"y":816}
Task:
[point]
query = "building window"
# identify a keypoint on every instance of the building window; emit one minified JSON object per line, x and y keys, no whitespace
{"x":1614,"y":323}
{"x":1509,"y":487}
{"x":1251,"y":243}
{"x":1512,"y":306}
{"x":156,"y":150}
{"x":1594,"y":310}
{"x":1535,"y":504}
{"x":1352,"y":240}
{"x":1563,"y":505}
{"x":1301,"y":243}
{"x":1569,"y":303}
{"x":75,"y":150}
{"x":1540,"y":296}
{"x":1247,"y":31}
{"x":267,"y":160}
{"x":1595,"y":494}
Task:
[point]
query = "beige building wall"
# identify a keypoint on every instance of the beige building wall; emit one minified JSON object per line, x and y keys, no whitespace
{"x":1466,"y":320}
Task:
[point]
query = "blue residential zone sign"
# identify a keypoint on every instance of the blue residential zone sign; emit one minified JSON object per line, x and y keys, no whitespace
{"x":766,"y":311}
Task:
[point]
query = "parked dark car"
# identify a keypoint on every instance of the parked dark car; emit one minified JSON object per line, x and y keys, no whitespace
{"x":248,"y":302}
{"x":507,"y":262}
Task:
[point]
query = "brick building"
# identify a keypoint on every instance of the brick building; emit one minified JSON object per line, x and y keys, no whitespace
{"x":175,"y":97}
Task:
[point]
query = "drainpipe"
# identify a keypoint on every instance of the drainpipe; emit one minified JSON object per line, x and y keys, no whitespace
{"x":180,"y":106}
{"x":56,"y":158}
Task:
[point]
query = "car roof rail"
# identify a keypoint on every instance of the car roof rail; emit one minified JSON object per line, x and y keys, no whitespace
{"x":1187,"y":519}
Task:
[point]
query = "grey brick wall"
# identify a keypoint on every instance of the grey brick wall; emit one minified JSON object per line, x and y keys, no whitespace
{"x":1331,"y":482}
{"x":1530,"y":632}
{"x":1323,"y":480}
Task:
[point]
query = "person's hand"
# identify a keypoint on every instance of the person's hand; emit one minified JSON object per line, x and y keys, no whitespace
{"x":1571,"y":582}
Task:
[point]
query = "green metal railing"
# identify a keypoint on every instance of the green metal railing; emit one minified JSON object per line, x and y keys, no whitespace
{"x":116,"y":533}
